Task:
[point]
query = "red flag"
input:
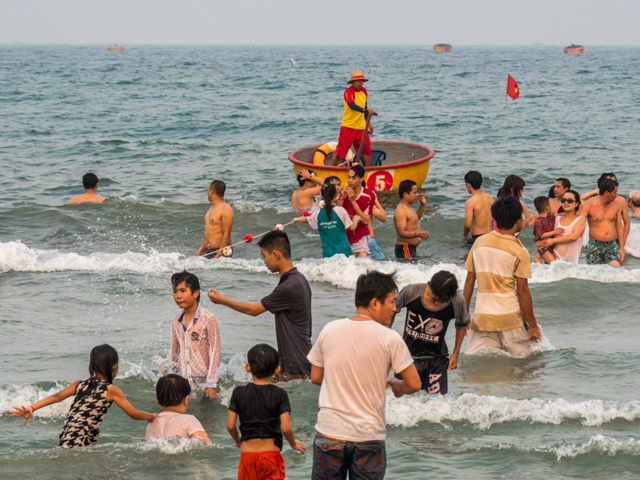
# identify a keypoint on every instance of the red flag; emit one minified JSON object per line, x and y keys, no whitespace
{"x":512,"y":88}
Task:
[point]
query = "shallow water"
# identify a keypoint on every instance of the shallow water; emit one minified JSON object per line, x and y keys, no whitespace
{"x":157,"y":124}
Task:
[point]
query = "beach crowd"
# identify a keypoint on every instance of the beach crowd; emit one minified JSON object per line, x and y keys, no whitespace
{"x":352,"y":357}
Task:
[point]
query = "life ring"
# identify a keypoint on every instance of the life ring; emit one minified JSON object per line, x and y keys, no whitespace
{"x":325,"y":150}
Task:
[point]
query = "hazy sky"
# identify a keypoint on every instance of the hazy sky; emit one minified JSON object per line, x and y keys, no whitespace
{"x":297,"y":22}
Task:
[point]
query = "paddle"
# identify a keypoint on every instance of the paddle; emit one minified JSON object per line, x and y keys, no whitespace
{"x":364,"y":137}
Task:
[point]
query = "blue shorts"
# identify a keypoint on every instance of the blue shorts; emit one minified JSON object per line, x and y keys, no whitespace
{"x":332,"y":459}
{"x":375,"y":251}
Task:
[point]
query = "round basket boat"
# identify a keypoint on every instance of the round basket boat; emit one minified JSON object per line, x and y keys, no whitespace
{"x":398,"y":161}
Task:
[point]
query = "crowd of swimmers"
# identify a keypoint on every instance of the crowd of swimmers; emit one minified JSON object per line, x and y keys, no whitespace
{"x":352,"y":374}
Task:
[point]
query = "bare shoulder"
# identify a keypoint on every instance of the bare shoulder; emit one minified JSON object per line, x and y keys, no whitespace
{"x":227,"y":209}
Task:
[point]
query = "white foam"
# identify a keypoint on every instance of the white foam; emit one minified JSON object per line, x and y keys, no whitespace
{"x":597,"y":443}
{"x":485,"y":411}
{"x":25,"y":395}
{"x":339,"y":270}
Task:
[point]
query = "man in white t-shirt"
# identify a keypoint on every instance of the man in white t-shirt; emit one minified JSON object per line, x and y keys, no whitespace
{"x":353,"y":375}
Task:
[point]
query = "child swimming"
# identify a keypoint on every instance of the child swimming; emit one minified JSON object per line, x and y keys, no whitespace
{"x":93,"y":397}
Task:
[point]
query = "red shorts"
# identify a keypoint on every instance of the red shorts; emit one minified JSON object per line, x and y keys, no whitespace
{"x":261,"y":466}
{"x":348,"y":137}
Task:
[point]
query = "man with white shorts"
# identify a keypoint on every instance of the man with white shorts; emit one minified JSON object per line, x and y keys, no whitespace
{"x":501,"y":266}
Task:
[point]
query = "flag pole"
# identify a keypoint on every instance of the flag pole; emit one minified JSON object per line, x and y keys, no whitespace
{"x":507,"y":92}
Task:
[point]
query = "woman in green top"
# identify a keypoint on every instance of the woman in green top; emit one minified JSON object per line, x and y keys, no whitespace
{"x":331,"y":221}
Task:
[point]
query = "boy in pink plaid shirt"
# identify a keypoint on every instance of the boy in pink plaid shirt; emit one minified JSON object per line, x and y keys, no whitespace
{"x":195,"y":337}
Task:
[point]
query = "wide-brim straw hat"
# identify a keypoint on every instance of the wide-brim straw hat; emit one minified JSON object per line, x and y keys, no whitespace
{"x":357,"y":75}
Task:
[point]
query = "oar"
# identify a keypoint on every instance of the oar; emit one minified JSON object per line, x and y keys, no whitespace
{"x":248,"y":238}
{"x":364,"y":137}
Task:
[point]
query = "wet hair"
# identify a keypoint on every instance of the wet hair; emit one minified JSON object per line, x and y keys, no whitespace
{"x":634,"y":198}
{"x":506,"y":211}
{"x":607,"y":176}
{"x":189,"y":279}
{"x":444,"y":286}
{"x":576,"y":197}
{"x":332,"y":178}
{"x":89,"y":181}
{"x":473,"y":178}
{"x":405,"y":187}
{"x":606,"y":186}
{"x":171,"y":390}
{"x":218,"y":187}
{"x":101,"y":361}
{"x":376,"y":285}
{"x":552,"y":194}
{"x":358,"y":170}
{"x":540,"y":203}
{"x":328,"y":194}
{"x":276,"y":240}
{"x":301,"y":181}
{"x":565,"y":182}
{"x":512,"y":187}
{"x":263,"y":360}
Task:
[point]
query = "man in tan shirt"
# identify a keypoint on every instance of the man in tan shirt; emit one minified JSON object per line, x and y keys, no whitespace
{"x":501,"y":266}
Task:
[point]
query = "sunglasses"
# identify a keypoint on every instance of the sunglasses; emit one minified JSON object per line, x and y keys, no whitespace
{"x":568,"y":200}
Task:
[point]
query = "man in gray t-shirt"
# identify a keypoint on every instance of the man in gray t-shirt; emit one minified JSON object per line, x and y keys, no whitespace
{"x":290,"y":302}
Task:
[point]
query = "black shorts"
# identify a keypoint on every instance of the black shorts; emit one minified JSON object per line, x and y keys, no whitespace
{"x":433,"y":373}
{"x":408,"y":252}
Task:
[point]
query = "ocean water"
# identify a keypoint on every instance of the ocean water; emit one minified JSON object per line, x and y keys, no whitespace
{"x":158,"y":124}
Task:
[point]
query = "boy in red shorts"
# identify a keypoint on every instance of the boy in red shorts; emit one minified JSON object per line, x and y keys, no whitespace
{"x":264,"y":410}
{"x":354,"y":121}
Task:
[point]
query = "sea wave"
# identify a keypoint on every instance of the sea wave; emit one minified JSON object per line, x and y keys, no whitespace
{"x":339,"y":270}
{"x":485,"y":411}
{"x":596,"y":444}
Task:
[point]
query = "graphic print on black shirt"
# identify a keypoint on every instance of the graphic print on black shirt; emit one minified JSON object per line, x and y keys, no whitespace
{"x":424,"y":329}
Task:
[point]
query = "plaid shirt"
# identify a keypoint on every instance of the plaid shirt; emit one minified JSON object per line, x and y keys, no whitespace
{"x":195,"y":350}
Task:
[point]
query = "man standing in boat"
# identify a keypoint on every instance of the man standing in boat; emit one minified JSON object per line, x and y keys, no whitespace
{"x":354,"y":121}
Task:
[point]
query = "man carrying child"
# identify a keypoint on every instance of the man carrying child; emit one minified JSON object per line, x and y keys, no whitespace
{"x":263,"y":410}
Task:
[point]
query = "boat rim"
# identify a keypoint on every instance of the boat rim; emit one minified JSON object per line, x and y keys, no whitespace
{"x":294,"y":160}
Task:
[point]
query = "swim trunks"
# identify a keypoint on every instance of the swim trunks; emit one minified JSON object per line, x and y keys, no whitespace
{"x":374,"y":250}
{"x":599,"y":252}
{"x":408,"y":252}
{"x":261,"y":465}
{"x":211,"y":253}
{"x":473,"y":239}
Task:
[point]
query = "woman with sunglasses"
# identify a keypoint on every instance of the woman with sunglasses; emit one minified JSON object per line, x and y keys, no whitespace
{"x":569,"y":245}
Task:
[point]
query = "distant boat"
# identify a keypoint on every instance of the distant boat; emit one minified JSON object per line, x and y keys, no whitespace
{"x":574,"y":49}
{"x":115,"y":47}
{"x":442,"y":47}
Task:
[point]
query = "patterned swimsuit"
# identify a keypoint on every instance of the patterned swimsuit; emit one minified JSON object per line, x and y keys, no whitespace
{"x":82,"y":425}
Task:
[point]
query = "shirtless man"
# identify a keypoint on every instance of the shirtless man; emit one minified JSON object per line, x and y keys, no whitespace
{"x":217,"y":223}
{"x":477,"y":209}
{"x":310,"y":186}
{"x":406,"y":219}
{"x":90,"y":184}
{"x":620,"y":203}
{"x":559,"y":188}
{"x":606,"y":242}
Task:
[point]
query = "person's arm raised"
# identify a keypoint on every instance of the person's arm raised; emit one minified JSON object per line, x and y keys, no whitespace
{"x":247,"y":308}
{"x":114,"y":394}
{"x":57,"y":397}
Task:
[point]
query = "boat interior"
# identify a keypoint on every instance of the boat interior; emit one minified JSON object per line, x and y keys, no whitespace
{"x":394,"y":153}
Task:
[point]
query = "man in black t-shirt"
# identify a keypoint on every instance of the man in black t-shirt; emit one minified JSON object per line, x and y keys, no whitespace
{"x":290,"y":301}
{"x":430,"y":308}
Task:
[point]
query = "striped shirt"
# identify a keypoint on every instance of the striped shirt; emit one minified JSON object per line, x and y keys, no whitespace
{"x":496,"y":260}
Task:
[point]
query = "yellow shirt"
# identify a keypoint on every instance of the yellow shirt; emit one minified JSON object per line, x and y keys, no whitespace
{"x":351,"y":118}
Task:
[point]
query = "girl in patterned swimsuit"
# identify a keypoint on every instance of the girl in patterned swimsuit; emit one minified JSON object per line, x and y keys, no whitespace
{"x":93,"y":397}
